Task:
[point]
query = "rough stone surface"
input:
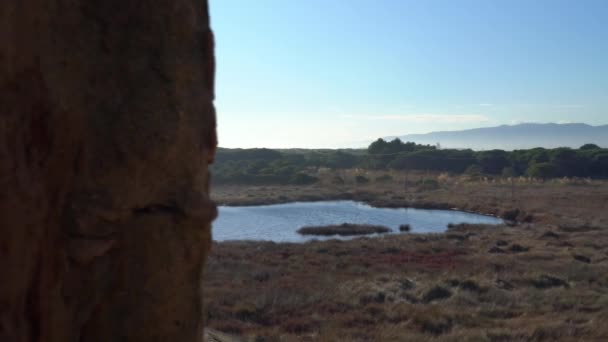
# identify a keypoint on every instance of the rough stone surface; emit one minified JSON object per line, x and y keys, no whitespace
{"x":107,"y":126}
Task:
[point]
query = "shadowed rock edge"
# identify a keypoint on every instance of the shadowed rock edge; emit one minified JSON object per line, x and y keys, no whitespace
{"x":107,"y":127}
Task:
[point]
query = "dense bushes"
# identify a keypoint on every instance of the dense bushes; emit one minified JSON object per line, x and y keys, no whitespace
{"x":541,"y":170}
{"x":302,"y":179}
{"x":588,"y":161}
{"x":384,"y":178}
{"x":431,"y":159}
{"x":361,"y":179}
{"x":266,"y":166}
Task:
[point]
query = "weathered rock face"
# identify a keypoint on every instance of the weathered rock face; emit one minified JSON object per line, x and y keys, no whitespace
{"x":107,"y":126}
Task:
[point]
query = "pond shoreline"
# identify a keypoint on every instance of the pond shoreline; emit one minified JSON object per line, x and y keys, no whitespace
{"x":364,"y":199}
{"x":536,"y":202}
{"x":280,"y":222}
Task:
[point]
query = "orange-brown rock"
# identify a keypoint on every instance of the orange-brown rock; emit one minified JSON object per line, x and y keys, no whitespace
{"x":107,"y":127}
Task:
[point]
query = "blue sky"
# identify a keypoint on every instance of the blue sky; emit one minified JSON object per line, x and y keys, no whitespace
{"x":338,"y":73}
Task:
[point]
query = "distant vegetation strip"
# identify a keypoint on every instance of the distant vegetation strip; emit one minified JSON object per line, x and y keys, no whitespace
{"x":299,"y":166}
{"x":344,"y":229}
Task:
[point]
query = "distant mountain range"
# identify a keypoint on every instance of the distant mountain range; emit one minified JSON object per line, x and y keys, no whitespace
{"x":512,"y":137}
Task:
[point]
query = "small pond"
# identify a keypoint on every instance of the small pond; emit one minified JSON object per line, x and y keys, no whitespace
{"x":279,"y":222}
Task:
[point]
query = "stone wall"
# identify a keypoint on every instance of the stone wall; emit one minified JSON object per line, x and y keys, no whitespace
{"x":107,"y":127}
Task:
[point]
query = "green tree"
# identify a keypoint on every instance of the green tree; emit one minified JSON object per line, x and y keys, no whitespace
{"x":378,"y":147}
{"x":541,"y":170}
{"x":599,"y":164}
{"x":493,"y":161}
{"x":589,"y":147}
{"x":566,"y":162}
{"x":341,"y":160}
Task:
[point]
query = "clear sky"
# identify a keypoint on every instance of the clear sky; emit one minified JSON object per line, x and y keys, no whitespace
{"x":337,"y":73}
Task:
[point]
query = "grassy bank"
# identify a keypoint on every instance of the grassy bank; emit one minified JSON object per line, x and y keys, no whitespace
{"x":543,"y":280}
{"x":560,"y":201}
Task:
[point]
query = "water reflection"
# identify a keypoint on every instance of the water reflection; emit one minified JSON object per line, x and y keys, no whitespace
{"x":279,"y":222}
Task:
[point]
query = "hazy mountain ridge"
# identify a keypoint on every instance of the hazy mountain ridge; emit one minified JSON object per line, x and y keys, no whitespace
{"x":511,"y":137}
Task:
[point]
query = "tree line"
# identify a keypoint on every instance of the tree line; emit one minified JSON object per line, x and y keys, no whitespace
{"x":267,"y":166}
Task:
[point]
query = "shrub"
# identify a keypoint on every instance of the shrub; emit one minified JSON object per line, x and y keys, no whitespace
{"x":428,"y":184}
{"x":384,"y":178}
{"x":470,"y":285}
{"x":518,"y":248}
{"x":541,"y":170}
{"x":246,"y":312}
{"x":303,"y":179}
{"x":432,"y":321}
{"x":337,"y":180}
{"x":509,"y":172}
{"x":455,"y":225}
{"x":405,"y":228}
{"x":443,"y":177}
{"x":582,"y":258}
{"x":473,"y":171}
{"x":547,"y":281}
{"x":361,"y":179}
{"x":436,"y":293}
{"x":511,"y":215}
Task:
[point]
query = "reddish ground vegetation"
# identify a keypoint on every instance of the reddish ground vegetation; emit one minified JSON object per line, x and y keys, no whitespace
{"x":547,"y":283}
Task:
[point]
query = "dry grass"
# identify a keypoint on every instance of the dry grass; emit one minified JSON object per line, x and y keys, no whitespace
{"x":546,"y":280}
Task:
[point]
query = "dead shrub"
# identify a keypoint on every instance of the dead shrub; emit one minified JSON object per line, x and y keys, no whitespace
{"x":547,"y":281}
{"x":436,"y":293}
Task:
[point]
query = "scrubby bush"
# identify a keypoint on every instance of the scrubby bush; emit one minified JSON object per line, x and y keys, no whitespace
{"x":436,"y":293}
{"x":405,"y":228}
{"x":303,"y":179}
{"x":541,"y":170}
{"x":384,"y":178}
{"x":266,"y":166}
{"x":337,"y":180}
{"x":511,"y":214}
{"x":473,"y":171}
{"x":361,"y":179}
{"x":428,"y":184}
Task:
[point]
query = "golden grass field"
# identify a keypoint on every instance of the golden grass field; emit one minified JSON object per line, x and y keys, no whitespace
{"x":544,"y":279}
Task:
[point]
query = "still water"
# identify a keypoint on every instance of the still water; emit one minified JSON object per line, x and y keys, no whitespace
{"x":279,"y":222}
